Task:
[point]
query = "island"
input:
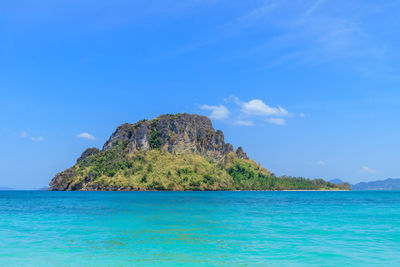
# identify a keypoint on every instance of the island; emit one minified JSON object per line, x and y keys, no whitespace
{"x":389,"y":184}
{"x":174,"y":152}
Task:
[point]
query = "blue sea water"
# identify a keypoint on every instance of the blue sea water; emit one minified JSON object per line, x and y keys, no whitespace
{"x":39,"y":228}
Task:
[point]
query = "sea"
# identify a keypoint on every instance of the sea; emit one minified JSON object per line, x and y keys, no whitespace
{"x":263,"y":228}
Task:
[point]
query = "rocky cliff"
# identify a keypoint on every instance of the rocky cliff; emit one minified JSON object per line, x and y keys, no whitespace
{"x":172,"y":152}
{"x":180,"y":133}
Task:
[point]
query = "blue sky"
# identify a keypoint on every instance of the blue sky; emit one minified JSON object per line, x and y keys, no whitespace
{"x":308,"y":87}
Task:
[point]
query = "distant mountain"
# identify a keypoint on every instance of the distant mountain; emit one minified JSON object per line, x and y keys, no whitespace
{"x":388,"y":184}
{"x":336,"y":181}
{"x":5,"y":188}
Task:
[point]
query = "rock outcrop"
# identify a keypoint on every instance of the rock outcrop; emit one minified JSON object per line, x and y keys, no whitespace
{"x":240,"y":153}
{"x":180,"y":133}
{"x":87,"y":153}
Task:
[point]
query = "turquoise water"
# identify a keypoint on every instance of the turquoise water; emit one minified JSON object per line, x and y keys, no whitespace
{"x":199,"y":228}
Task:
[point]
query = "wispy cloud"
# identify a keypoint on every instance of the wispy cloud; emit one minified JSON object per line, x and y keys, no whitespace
{"x":217,"y":112}
{"x":320,"y":162}
{"x":255,"y":14}
{"x":276,"y":121}
{"x":244,"y":123}
{"x":25,"y":135}
{"x":366,"y":169}
{"x":296,"y":33}
{"x":303,"y":115}
{"x":37,"y":139}
{"x":309,"y":32}
{"x":87,"y":136}
{"x":314,"y":6}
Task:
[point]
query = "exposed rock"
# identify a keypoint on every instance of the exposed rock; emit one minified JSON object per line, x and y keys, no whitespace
{"x":240,"y":153}
{"x":62,"y":180}
{"x":88,"y":152}
{"x":173,"y":133}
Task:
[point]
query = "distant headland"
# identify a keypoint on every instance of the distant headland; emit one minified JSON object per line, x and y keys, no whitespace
{"x":174,"y":152}
{"x":387,"y":184}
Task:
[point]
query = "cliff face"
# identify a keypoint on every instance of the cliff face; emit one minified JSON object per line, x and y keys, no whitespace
{"x":180,"y":133}
{"x":87,"y":153}
{"x":172,"y":152}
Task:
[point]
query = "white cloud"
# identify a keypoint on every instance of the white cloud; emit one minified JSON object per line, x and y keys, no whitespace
{"x":86,"y":136}
{"x":217,"y":112}
{"x":244,"y":123}
{"x":258,"y":107}
{"x":366,"y":169}
{"x":277,"y":121}
{"x":23,"y":134}
{"x":302,"y":115}
{"x":37,"y":139}
{"x":253,"y":112}
{"x":321,"y":162}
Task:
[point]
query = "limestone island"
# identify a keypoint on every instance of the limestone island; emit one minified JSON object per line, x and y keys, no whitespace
{"x":174,"y":152}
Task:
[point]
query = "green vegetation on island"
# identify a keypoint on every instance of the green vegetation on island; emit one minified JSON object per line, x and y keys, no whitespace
{"x":174,"y":152}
